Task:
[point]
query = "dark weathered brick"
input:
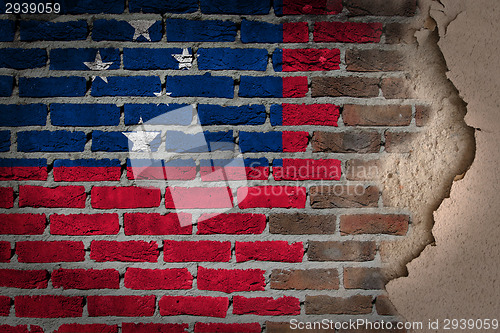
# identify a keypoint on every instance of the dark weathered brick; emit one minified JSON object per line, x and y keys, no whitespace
{"x":375,"y":61}
{"x":363,"y":278}
{"x":422,"y":115}
{"x":374,"y":224}
{"x":384,"y":306}
{"x":344,"y":196}
{"x":396,"y":88}
{"x":377,"y":115}
{"x":346,"y":142}
{"x":323,"y":304}
{"x":381,"y":7}
{"x":341,"y":251}
{"x":398,"y":33}
{"x":363,"y":169}
{"x":301,"y":224}
{"x":345,"y":86}
{"x":318,"y":279}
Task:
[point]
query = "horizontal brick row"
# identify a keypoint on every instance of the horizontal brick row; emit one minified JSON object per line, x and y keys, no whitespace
{"x":213,"y":170}
{"x":88,"y":115}
{"x":260,"y":7}
{"x":210,"y":170}
{"x":199,"y":31}
{"x":180,"y":224}
{"x":48,"y":306}
{"x":291,"y":87}
{"x":214,"y":59}
{"x":356,"y":141}
{"x":200,"y":251}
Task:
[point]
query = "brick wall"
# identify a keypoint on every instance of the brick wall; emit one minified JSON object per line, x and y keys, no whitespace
{"x":314,"y":93}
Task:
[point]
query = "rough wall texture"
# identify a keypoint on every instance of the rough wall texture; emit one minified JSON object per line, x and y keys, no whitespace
{"x":343,"y":119}
{"x":463,"y":263}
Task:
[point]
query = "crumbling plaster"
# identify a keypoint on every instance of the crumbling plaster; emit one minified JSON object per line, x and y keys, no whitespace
{"x":457,"y":276}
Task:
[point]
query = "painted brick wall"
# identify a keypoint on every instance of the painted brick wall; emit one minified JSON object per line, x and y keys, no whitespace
{"x":314,"y":93}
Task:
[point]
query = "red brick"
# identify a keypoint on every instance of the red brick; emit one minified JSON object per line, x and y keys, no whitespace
{"x":194,"y":306}
{"x":20,"y":329}
{"x":85,"y":328}
{"x":346,"y":142}
{"x":131,"y":251}
{"x":384,"y":306}
{"x":271,"y":197}
{"x":84,"y":224}
{"x":363,"y":169}
{"x":124,"y":197}
{"x":121,"y":306}
{"x":157,"y":224}
{"x":198,"y":197}
{"x":295,"y":87}
{"x":354,"y":305}
{"x":266,"y":306}
{"x":5,"y":251}
{"x":86,"y":174}
{"x":48,"y":306}
{"x":310,"y":114}
{"x":294,"y":142}
{"x":6,"y":197}
{"x":269,"y":251}
{"x":301,"y":224}
{"x":40,"y":251}
{"x":306,"y":169}
{"x":23,"y":279}
{"x":231,"y":224}
{"x":230,"y":280}
{"x":343,"y":196}
{"x":86,"y":279}
{"x":344,"y":86}
{"x":295,"y":32}
{"x":347,"y":32}
{"x":4,"y":306}
{"x":299,"y":60}
{"x":396,"y":88}
{"x":363,"y":278}
{"x":151,"y":279}
{"x":317,"y":279}
{"x":22,"y":224}
{"x":227,"y":328}
{"x":58,"y":197}
{"x":422,"y":115}
{"x":377,"y":115}
{"x":381,"y":7}
{"x":374,"y":60}
{"x":23,"y":173}
{"x":198,"y":251}
{"x":374,"y":224}
{"x":154,"y":328}
{"x":295,"y":7}
{"x":341,"y":251}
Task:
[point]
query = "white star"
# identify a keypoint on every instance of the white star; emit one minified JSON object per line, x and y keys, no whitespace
{"x":141,"y":28}
{"x":160,"y":94}
{"x":141,"y":140}
{"x":185,"y":59}
{"x":98,"y":65}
